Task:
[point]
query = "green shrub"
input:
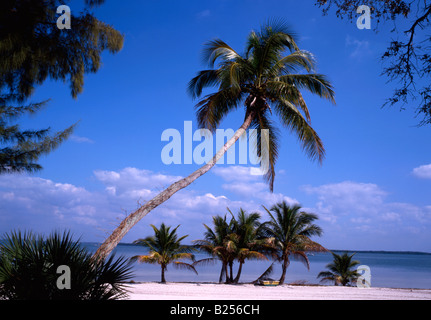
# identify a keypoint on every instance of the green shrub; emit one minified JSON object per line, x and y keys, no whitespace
{"x":29,"y":270}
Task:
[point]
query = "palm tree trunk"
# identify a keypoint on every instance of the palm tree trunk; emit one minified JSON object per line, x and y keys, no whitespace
{"x":230,"y":271}
{"x":284,"y":268}
{"x":236,"y":280}
{"x":226,"y":273}
{"x":222,"y":271}
{"x":163,"y":280}
{"x":111,"y":242}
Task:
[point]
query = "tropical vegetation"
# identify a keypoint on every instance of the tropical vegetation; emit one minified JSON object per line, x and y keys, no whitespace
{"x":33,"y":50}
{"x":268,"y":80}
{"x":340,"y":270}
{"x":240,"y":239}
{"x":165,"y":248}
{"x":291,"y":230}
{"x":287,"y":235}
{"x":29,"y":269}
{"x":29,"y":263}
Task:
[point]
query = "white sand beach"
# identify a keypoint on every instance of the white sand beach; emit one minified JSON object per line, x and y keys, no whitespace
{"x":212,"y":291}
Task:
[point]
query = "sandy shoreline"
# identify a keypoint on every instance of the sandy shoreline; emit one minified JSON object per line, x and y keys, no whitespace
{"x":213,"y":291}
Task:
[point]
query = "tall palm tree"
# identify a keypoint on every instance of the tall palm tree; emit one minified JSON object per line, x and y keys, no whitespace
{"x":267,"y":79}
{"x":165,"y":248}
{"x":217,"y":244}
{"x":291,"y":230}
{"x":340,"y":270}
{"x":250,"y":243}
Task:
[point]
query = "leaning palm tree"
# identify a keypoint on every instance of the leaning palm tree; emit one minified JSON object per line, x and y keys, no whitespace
{"x":291,"y":229}
{"x":340,"y":270}
{"x":165,"y":248}
{"x":267,"y":79}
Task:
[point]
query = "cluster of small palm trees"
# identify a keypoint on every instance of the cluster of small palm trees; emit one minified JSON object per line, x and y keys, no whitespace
{"x":239,"y":239}
{"x":286,"y":235}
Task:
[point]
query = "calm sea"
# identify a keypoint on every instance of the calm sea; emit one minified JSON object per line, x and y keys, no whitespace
{"x":388,"y":269}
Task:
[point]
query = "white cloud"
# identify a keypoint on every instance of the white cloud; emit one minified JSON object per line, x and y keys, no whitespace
{"x":366,"y":204}
{"x":36,"y":203}
{"x":203,"y":14}
{"x":42,"y":205}
{"x":360,"y":220}
{"x":423,"y":172}
{"x":249,"y":187}
{"x":80,"y":139}
{"x":347,"y":210}
{"x":133,"y":182}
{"x":346,"y":197}
{"x":360,"y":48}
{"x":360,"y":216}
{"x":235,"y":173}
{"x":136,"y":186}
{"x":391,"y":216}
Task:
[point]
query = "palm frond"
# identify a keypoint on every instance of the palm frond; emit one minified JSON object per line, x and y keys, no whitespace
{"x":315,"y":83}
{"x":307,"y":137}
{"x":266,"y":146}
{"x":288,"y":95}
{"x":205,"y":78}
{"x":266,"y":273}
{"x":183,"y":255}
{"x":183,"y":265}
{"x":266,"y":46}
{"x":216,"y":49}
{"x":214,"y":107}
{"x":152,"y":258}
{"x":205,"y":262}
{"x":301,"y":256}
{"x":292,"y":63}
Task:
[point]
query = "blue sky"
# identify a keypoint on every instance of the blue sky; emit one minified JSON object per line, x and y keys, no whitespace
{"x":372,"y":191}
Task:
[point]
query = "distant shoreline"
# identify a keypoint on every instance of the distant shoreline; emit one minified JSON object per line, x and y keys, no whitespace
{"x":332,"y":250}
{"x":382,"y":251}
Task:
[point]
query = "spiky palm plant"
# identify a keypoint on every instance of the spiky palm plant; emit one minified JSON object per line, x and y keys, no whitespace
{"x":340,"y":270}
{"x":291,"y":229}
{"x":165,"y":248}
{"x":267,"y":79}
{"x":29,"y":264}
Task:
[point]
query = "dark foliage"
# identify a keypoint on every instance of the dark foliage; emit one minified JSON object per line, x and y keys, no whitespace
{"x":33,"y":49}
{"x":29,"y":263}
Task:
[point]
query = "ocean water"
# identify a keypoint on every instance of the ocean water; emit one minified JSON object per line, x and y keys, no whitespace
{"x":388,"y":269}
